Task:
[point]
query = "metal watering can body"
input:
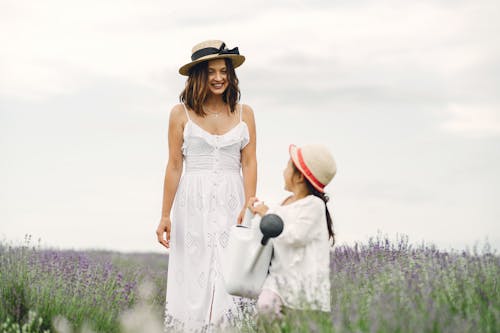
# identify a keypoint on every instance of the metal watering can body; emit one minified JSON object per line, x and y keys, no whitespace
{"x":247,"y":257}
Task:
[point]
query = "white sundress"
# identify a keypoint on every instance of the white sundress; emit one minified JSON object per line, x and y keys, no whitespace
{"x":209,"y":198}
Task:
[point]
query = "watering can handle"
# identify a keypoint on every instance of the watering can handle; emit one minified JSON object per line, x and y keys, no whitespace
{"x":271,"y":226}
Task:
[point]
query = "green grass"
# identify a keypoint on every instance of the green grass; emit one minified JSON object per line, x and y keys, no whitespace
{"x":85,"y":288}
{"x":381,"y":287}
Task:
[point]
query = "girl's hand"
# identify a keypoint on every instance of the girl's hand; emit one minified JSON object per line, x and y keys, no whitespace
{"x":164,"y":228}
{"x":248,"y":205}
{"x":251,"y":202}
{"x":260,"y":209}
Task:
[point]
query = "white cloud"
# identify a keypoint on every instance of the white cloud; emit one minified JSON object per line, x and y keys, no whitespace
{"x":52,"y":47}
{"x":473,"y":120}
{"x":388,"y":70}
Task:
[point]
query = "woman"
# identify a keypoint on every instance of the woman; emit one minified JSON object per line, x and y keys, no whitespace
{"x":212,"y":145}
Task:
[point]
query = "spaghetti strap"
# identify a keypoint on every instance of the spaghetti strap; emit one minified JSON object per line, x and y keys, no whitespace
{"x":241,"y":112}
{"x":185,"y":109}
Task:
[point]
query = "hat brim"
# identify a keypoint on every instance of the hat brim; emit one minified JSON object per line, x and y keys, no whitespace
{"x":236,"y":59}
{"x":294,"y":155}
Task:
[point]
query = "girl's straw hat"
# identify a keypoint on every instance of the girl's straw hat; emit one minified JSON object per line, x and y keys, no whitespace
{"x":316,"y":164}
{"x":209,"y":50}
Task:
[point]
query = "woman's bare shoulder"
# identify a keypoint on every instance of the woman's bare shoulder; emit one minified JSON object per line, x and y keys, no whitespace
{"x":248,"y":114}
{"x":178,"y":114}
{"x":177,"y":108}
{"x":247,"y":108}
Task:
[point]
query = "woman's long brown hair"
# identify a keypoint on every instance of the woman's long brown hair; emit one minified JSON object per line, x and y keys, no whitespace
{"x":196,"y":90}
{"x":325,"y":198}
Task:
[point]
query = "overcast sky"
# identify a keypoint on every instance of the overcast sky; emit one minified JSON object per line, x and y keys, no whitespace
{"x":406,"y":95}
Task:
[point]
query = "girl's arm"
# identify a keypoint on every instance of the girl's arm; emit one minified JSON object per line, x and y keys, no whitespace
{"x":302,"y":222}
{"x":173,"y":172}
{"x":249,"y":160}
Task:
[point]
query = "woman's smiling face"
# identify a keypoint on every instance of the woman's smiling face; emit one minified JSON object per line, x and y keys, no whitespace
{"x":217,"y":76}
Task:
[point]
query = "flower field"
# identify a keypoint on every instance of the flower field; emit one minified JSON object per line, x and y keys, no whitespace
{"x":380,"y":286}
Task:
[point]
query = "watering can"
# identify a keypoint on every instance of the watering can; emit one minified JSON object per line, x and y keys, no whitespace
{"x":247,"y":256}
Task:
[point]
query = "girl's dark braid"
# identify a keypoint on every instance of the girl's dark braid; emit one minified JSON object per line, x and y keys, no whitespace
{"x":325,"y":199}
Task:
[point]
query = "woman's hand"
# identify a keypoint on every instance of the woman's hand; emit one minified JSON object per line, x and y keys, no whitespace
{"x":241,"y":215}
{"x":249,"y":205}
{"x":164,"y":228}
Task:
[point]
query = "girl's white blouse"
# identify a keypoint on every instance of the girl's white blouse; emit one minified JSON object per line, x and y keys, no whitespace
{"x":300,"y":267}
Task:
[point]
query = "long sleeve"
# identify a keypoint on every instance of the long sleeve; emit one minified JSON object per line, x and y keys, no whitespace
{"x":301,"y":221}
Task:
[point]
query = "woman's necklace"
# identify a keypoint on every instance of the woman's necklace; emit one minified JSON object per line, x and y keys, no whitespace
{"x":215,"y":114}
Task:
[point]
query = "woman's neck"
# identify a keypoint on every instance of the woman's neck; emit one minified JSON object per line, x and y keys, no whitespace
{"x":214,"y":101}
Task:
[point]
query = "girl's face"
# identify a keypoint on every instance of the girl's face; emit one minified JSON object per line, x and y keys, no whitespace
{"x":217,"y":76}
{"x":288,"y":175}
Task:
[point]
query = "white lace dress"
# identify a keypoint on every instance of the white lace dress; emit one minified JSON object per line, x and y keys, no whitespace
{"x":209,"y":198}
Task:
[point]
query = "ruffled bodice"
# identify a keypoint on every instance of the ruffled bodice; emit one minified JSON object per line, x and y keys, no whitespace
{"x":206,"y":152}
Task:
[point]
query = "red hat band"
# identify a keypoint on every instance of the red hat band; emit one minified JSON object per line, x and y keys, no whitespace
{"x":308,"y":173}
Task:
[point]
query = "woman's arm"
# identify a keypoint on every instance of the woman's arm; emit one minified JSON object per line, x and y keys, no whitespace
{"x":172,"y":173}
{"x":249,"y":159}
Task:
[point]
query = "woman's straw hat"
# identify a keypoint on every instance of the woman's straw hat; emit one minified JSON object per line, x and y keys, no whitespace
{"x":316,"y":164}
{"x":209,"y":50}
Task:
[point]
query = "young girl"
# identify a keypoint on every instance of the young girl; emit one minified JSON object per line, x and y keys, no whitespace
{"x":299,"y":272}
